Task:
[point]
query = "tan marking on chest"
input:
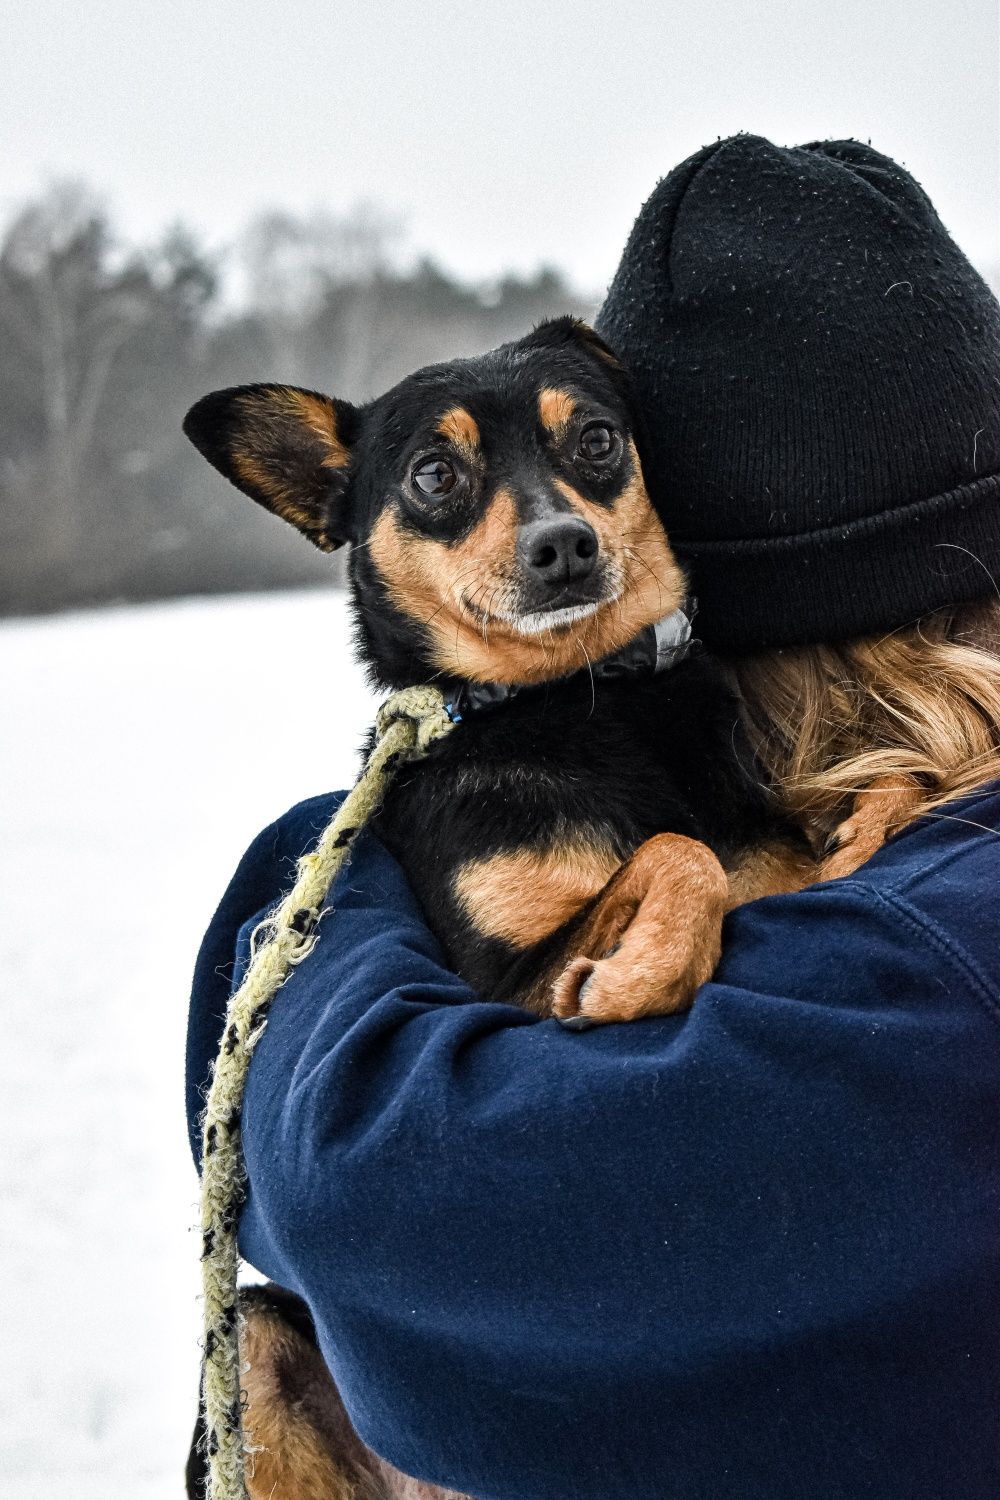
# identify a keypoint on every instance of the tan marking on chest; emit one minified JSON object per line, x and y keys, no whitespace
{"x":524,"y":894}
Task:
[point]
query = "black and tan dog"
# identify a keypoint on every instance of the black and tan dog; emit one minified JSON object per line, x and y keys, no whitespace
{"x":577,"y":841}
{"x":504,"y":546}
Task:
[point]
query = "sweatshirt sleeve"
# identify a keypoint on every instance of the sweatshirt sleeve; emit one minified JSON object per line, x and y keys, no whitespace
{"x":593,"y":1240}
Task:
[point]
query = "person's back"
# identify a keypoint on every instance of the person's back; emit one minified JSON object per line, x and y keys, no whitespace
{"x":752,"y":1251}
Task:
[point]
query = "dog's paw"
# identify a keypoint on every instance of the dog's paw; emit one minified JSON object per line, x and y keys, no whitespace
{"x":653,"y":938}
{"x":879,"y":811}
{"x":654,"y":972}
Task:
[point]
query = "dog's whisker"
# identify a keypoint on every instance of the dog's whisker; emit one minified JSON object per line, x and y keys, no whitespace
{"x":590,"y":671}
{"x":633,"y":552}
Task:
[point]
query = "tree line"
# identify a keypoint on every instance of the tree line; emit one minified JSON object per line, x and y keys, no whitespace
{"x":103,"y":346}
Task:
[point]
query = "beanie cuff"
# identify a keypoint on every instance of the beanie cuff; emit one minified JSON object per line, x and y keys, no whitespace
{"x":875,"y":574}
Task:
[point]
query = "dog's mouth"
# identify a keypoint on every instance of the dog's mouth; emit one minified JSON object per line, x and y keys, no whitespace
{"x":551,"y":619}
{"x":537,"y":621}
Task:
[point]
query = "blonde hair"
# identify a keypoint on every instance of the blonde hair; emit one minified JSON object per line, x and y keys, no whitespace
{"x":923,"y":702}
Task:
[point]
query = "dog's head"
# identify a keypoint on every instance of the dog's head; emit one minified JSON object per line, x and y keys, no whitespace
{"x":501,"y":527}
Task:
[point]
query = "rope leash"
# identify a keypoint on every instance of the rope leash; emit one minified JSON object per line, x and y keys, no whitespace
{"x":407,"y":726}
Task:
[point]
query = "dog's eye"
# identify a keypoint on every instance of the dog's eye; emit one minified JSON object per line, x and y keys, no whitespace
{"x":596,"y":441}
{"x":434,"y":478}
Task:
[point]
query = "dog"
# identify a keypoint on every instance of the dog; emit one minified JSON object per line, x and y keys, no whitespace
{"x":504,"y":546}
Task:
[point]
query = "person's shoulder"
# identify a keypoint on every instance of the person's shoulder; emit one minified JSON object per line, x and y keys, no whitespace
{"x":265,"y":871}
{"x":916,"y":924}
{"x":940,"y":874}
{"x":960,"y":840}
{"x":268,"y":865}
{"x":295,"y":831}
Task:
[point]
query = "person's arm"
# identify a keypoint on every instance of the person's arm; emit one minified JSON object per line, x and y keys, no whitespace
{"x":662,"y":1247}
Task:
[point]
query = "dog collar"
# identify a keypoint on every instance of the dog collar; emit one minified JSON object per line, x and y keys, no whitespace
{"x":655,"y":649}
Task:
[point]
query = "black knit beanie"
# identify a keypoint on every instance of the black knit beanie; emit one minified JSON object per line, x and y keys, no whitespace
{"x":819,"y":369}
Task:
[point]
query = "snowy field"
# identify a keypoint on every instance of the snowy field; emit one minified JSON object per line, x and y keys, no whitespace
{"x":137,"y":761}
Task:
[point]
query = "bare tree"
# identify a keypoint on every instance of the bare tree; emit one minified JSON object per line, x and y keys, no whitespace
{"x":291,"y":264}
{"x":66,"y":321}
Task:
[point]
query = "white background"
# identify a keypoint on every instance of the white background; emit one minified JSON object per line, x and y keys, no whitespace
{"x":140,"y":765}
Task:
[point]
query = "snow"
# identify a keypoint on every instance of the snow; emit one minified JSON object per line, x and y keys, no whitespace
{"x":142,"y":750}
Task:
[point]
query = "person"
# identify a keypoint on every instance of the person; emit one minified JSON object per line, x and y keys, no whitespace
{"x":752,"y":1251}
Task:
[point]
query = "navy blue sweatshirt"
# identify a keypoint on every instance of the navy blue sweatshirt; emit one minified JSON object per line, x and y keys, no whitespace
{"x":750,"y":1252}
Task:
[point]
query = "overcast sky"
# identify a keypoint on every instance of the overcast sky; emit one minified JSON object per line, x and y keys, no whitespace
{"x":506,"y":134}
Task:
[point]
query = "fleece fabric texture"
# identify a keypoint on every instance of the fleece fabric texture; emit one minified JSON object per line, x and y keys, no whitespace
{"x":819,"y":367}
{"x":748,"y":1253}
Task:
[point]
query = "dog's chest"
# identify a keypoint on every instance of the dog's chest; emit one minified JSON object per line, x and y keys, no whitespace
{"x":617,"y":764}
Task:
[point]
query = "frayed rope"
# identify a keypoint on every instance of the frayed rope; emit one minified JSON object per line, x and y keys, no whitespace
{"x":408,"y":724}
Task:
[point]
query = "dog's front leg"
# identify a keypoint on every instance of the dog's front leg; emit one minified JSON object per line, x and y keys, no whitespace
{"x":649,"y":939}
{"x":879,"y":811}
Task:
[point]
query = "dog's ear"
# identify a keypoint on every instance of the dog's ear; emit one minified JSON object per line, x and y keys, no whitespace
{"x":573,"y":333}
{"x":558,"y":332}
{"x":286,"y":448}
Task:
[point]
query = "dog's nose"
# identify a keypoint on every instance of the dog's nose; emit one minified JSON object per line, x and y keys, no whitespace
{"x":561,"y":549}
